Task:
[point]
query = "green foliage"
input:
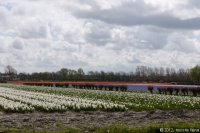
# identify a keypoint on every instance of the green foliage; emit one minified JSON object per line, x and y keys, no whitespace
{"x":150,"y":89}
{"x":195,"y":74}
{"x":142,"y":73}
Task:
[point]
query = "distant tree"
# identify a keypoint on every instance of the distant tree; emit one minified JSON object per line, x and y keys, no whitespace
{"x":195,"y":74}
{"x":141,"y":74}
{"x":10,"y":70}
{"x":24,"y":76}
{"x":80,"y":72}
{"x":63,"y":74}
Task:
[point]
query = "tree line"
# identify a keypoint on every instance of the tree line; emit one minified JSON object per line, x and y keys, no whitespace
{"x":140,"y":74}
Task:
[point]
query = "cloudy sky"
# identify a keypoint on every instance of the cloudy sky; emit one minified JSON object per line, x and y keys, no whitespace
{"x":46,"y":35}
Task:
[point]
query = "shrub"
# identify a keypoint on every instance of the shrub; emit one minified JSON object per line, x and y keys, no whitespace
{"x":110,"y":88}
{"x":170,"y":90}
{"x":159,"y":90}
{"x":116,"y":88}
{"x":150,"y":89}
{"x":184,"y":91}
{"x":101,"y":87}
{"x":193,"y":91}
{"x":198,"y":91}
{"x":177,"y":90}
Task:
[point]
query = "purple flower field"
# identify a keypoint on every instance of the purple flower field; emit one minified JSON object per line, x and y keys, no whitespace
{"x":140,"y":87}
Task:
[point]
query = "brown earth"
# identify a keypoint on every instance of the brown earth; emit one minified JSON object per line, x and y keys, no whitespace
{"x":86,"y":120}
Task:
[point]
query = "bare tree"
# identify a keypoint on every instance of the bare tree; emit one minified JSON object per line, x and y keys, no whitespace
{"x":10,"y":70}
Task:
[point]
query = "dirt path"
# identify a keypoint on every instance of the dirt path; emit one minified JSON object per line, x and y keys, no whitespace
{"x":91,"y":119}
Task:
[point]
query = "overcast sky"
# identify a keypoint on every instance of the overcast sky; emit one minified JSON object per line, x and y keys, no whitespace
{"x":109,"y":35}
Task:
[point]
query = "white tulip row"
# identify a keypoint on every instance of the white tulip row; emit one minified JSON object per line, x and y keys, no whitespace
{"x":9,"y":105}
{"x":162,"y":100}
{"x":132,"y":100}
{"x":52,"y":102}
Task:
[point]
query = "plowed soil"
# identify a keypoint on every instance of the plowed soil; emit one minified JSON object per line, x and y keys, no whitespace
{"x":87,"y":120}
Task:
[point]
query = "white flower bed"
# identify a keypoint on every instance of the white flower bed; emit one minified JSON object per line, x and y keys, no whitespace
{"x":52,"y":102}
{"x":85,"y":99}
{"x":9,"y":105}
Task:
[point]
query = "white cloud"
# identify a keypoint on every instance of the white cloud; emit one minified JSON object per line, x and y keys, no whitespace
{"x":47,"y":35}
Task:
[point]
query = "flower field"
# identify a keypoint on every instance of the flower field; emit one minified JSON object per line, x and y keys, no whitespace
{"x":53,"y":99}
{"x":12,"y":100}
